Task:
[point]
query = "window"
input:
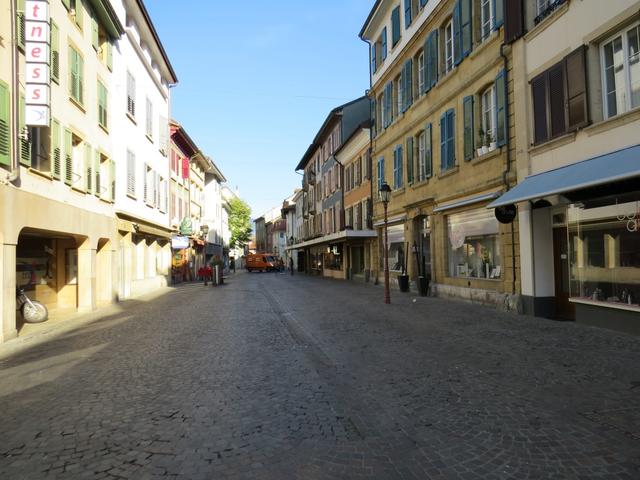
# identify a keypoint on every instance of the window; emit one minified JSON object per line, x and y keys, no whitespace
{"x":473,"y":245}
{"x":545,"y":7}
{"x":149,"y":119}
{"x":105,"y":178}
{"x":410,"y":11}
{"x":559,"y":99}
{"x":410,"y":160}
{"x":395,"y":26}
{"x":395,"y":235}
{"x":102,"y":105}
{"x":358,"y":171}
{"x":486,"y":18}
{"x":398,"y":105}
{"x":398,"y":176}
{"x":380,"y":172}
{"x":40,"y":149}
{"x":448,"y":47}
{"x":487,"y":133}
{"x":76,"y":72}
{"x":421,"y":156}
{"x":421,"y":77}
{"x":467,"y":134}
{"x":621,"y":72}
{"x":76,"y":12}
{"x":131,"y":95}
{"x":131,"y":174}
{"x":447,"y":140}
{"x":78,"y":160}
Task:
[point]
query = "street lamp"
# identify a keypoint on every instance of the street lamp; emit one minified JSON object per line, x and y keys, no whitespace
{"x":385,"y":194}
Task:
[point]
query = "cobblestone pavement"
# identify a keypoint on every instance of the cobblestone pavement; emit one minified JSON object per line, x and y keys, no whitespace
{"x":281,"y":377}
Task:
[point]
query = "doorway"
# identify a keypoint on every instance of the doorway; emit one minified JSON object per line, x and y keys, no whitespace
{"x":564,"y":308}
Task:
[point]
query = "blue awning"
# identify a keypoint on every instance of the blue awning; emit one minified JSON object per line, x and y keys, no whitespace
{"x":611,"y":167}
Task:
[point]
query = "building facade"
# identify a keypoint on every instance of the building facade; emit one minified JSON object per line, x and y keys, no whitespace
{"x":577,"y":116}
{"x":441,"y":140}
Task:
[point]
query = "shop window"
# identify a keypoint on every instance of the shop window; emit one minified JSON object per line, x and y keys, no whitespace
{"x":604,"y":253}
{"x":474,"y":247}
{"x":397,"y":261}
{"x":40,"y":149}
{"x":333,"y":257}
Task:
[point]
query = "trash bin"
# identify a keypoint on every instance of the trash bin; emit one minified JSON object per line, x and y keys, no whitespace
{"x":423,"y":286}
{"x":403,"y":283}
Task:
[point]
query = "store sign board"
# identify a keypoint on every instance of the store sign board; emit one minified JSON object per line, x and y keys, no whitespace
{"x":178,"y":243}
{"x":506,"y":213}
{"x":37,"y":54}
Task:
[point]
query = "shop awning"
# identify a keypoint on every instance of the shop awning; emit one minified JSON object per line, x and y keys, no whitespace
{"x":611,"y":167}
{"x":340,"y":236}
{"x":467,"y":201}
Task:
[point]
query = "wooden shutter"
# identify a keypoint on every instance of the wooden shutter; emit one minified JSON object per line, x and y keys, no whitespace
{"x":98,"y":183}
{"x":410,"y":160}
{"x":56,"y":152}
{"x":428,"y":152}
{"x":513,"y":20}
{"x":374,"y":66}
{"x":68,"y":156}
{"x":95,"y":35}
{"x":433,"y":58}
{"x":88,"y":167}
{"x":55,"y":52}
{"x":383,"y":44}
{"x":577,"y":105}
{"x":457,"y":32}
{"x":25,"y":145}
{"x":131,"y":174}
{"x":557,"y":111}
{"x":112,"y":179}
{"x":407,"y":13}
{"x":67,"y":4}
{"x":500,"y":87}
{"x":539,"y":97}
{"x":467,"y":114}
{"x":408,"y":90}
{"x":451,"y":138}
{"x":425,"y":78}
{"x":466,"y":17}
{"x":20,"y":23}
{"x":109,"y":55}
{"x":395,"y":26}
{"x":145,"y":179}
{"x":5,"y":130}
{"x":498,"y":13}
{"x":443,"y":142}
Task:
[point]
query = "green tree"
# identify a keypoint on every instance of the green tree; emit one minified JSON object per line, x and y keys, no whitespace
{"x":239,"y":222}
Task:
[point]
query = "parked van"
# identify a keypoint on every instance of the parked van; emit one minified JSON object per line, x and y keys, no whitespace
{"x":263,"y":262}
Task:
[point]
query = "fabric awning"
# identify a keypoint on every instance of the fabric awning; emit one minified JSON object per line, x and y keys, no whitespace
{"x":466,"y":201}
{"x":611,"y":167}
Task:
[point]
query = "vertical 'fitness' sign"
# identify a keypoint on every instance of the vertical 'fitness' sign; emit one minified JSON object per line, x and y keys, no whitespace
{"x":37,"y":52}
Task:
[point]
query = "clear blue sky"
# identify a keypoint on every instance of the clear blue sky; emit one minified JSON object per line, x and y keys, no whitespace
{"x":258,"y":78}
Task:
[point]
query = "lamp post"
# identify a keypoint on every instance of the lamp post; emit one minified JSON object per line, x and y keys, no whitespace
{"x":385,"y":194}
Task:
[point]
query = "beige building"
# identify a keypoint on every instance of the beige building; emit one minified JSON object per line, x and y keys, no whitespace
{"x":576,"y":75}
{"x":442,"y":140}
{"x":57,"y":227}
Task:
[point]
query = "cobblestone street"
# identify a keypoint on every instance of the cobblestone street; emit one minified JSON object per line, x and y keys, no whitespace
{"x":277,"y":377}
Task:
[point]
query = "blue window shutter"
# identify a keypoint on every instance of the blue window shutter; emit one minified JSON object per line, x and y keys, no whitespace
{"x":498,"y":15}
{"x":374,"y":66}
{"x":395,"y":26}
{"x":501,"y":108}
{"x":373,"y":115}
{"x":451,"y":140}
{"x":434,"y":58}
{"x":410,"y":160}
{"x":425,"y":72}
{"x":407,"y":13}
{"x":467,"y":115}
{"x":457,"y":32}
{"x":423,"y":3}
{"x":428,"y":152}
{"x":443,"y":142}
{"x":383,"y":37}
{"x":408,"y":91}
{"x":467,"y":28}
{"x":400,"y":169}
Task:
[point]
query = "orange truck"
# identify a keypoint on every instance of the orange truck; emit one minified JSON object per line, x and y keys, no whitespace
{"x":261,"y":262}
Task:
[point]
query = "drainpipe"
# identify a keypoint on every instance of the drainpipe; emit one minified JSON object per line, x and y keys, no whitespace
{"x":507,"y":170}
{"x":14,"y":176}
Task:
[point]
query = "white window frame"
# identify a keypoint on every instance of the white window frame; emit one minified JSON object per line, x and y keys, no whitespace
{"x":486,"y":24}
{"x":488,"y":112}
{"x":623,"y":34}
{"x":420,"y":73}
{"x":422,"y":138}
{"x":449,"y":54}
{"x":397,"y":110}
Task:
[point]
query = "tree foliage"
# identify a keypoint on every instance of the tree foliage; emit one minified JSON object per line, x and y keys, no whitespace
{"x":239,"y":222}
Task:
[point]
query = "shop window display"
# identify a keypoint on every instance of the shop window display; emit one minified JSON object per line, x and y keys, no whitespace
{"x":474,"y":247}
{"x":396,"y":248}
{"x":604,"y":252}
{"x":333,"y":257}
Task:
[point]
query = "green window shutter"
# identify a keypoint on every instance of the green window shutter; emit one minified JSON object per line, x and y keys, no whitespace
{"x":466,"y":17}
{"x":467,"y":106}
{"x":410,"y":160}
{"x":25,"y":145}
{"x":109,"y":55}
{"x":428,"y":152}
{"x":451,"y":140}
{"x":88,"y":159}
{"x":21,"y":23}
{"x":457,"y":32}
{"x":407,"y":79}
{"x":68,"y":157}
{"x":383,"y":44}
{"x":373,"y":57}
{"x":55,"y":52}
{"x":443,"y":142}
{"x":102,"y":104}
{"x":79,"y":14}
{"x":81,"y":79}
{"x":498,"y":17}
{"x":95,"y":37}
{"x":56,"y":152}
{"x":73,"y":73}
{"x":407,"y":13}
{"x":97,"y":184}
{"x":67,"y":4}
{"x":112,"y":178}
{"x":425,"y":72}
{"x":501,"y":108}
{"x":395,"y":26}
{"x":5,"y":135}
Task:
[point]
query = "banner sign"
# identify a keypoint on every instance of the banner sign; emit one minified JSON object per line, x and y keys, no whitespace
{"x":178,"y":243}
{"x":37,"y":53}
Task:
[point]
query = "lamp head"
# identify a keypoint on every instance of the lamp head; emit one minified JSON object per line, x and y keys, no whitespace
{"x":385,"y":192}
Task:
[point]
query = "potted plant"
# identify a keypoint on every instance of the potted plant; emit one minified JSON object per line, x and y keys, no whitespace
{"x":491,"y":142}
{"x":481,"y":148}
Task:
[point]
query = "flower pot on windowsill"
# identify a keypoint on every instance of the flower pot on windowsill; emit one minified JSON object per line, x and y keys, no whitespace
{"x":479,"y":152}
{"x":492,"y":146}
{"x":484,"y":149}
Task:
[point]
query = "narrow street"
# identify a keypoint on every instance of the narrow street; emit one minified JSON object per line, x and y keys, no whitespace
{"x":277,"y":377}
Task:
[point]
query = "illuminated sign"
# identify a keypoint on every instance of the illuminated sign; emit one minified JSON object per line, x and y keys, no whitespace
{"x":37,"y":53}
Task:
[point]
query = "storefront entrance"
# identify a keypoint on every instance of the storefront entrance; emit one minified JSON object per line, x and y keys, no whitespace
{"x":564,"y":308}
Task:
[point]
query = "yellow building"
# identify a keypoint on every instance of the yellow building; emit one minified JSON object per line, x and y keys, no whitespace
{"x":57,"y":225}
{"x":441,"y":140}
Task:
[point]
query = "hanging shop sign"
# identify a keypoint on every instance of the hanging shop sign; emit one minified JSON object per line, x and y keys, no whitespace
{"x":186,"y":226}
{"x":37,"y":71}
{"x":506,"y":213}
{"x":178,"y":243}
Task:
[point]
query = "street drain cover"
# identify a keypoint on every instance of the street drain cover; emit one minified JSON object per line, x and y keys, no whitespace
{"x":625,"y":420}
